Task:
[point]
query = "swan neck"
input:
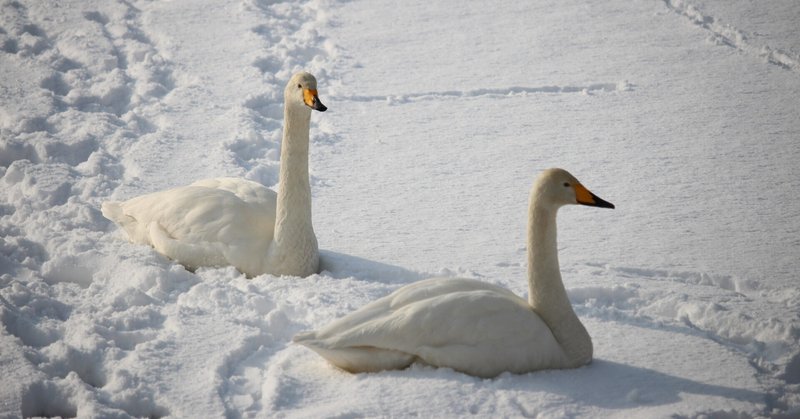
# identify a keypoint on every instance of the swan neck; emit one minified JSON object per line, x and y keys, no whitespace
{"x":546,"y":294}
{"x":293,"y":229}
{"x":294,"y":189}
{"x":544,"y":276}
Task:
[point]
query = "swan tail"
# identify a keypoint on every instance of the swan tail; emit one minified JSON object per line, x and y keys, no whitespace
{"x":356,"y":359}
{"x":113,"y":211}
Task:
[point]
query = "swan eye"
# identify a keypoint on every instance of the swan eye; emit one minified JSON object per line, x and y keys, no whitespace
{"x":299,"y":86}
{"x":566,"y":184}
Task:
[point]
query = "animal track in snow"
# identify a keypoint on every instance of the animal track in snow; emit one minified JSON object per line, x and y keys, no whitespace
{"x":36,"y":328}
{"x":290,"y":44}
{"x":728,"y":35}
{"x":22,"y":36}
{"x":97,"y":81}
{"x":622,"y":86}
{"x":698,"y":303}
{"x":725,"y":282}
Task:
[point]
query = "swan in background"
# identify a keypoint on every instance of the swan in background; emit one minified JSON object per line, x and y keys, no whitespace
{"x":232,"y":221}
{"x":471,"y":326}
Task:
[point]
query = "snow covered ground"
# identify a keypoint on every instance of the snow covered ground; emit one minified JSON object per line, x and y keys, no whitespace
{"x":684,"y":114}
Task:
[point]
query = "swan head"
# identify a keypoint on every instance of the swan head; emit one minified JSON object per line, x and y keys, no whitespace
{"x":557,"y":187}
{"x":302,"y":91}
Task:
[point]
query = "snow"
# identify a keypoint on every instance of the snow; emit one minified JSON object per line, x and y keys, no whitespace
{"x":684,"y":114}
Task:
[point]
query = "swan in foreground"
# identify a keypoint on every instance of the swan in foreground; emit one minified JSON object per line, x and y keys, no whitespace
{"x":468,"y":325}
{"x":232,"y":221}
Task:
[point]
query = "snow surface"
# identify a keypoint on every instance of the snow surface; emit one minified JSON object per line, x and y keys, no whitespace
{"x":682,"y":113}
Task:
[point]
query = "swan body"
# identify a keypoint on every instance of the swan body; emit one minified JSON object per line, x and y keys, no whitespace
{"x":234,"y":221}
{"x":468,"y":325}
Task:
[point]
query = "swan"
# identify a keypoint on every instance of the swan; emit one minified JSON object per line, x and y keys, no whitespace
{"x":471,"y":326}
{"x":233,"y":221}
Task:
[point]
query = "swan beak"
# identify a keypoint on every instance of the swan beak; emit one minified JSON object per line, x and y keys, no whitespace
{"x":584,"y":197}
{"x":312,"y":100}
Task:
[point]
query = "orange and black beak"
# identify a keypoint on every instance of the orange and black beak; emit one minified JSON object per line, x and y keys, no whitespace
{"x":312,"y":100}
{"x":585,"y":197}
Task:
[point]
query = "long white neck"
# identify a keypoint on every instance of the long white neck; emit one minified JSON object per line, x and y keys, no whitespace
{"x":546,"y":293}
{"x":294,"y":241}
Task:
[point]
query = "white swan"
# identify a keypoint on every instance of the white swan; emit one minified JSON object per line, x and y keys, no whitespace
{"x":231,"y":221}
{"x":470,"y":326}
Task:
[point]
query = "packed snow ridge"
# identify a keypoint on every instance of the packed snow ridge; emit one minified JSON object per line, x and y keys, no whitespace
{"x":729,"y":35}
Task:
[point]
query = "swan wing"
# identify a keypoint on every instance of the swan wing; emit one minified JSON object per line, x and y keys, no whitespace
{"x":246,"y":190}
{"x":211,"y":222}
{"x":404,"y":296}
{"x":473,"y":327}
